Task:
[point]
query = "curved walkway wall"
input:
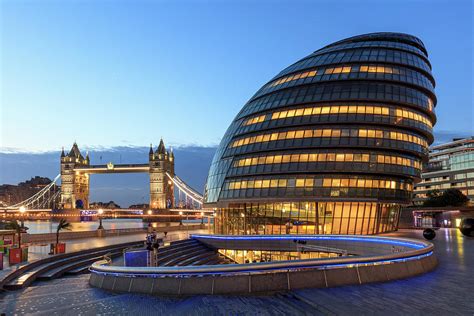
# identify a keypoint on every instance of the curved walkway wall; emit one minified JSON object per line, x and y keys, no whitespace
{"x":382,"y":259}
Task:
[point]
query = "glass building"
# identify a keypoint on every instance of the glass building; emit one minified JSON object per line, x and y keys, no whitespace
{"x":333,"y":144}
{"x":450,"y":165}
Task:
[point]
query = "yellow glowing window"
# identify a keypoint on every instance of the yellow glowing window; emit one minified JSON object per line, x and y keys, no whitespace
{"x":274,"y":183}
{"x":340,"y":157}
{"x":328,"y":71}
{"x":299,"y":134}
{"x":334,"y":110}
{"x":291,"y":113}
{"x":269,"y":160}
{"x":325,"y":110}
{"x":295,"y":158}
{"x":277,"y":159}
{"x":336,"y":183}
{"x":365,"y":158}
{"x":344,"y":183}
{"x":326,"y":133}
{"x":360,"y":109}
{"x":360,"y":183}
{"x":308,"y":133}
{"x":372,"y":69}
{"x":364,"y":68}
{"x":266,"y":138}
{"x":317,"y":111}
{"x":362,"y":133}
{"x":368,"y":183}
{"x":352,"y":109}
{"x":300,"y":183}
{"x":349,"y":157}
{"x":261,"y":160}
{"x":274,"y":136}
{"x":265,"y":183}
{"x":282,"y":182}
{"x":352,"y":182}
{"x":308,"y":111}
{"x":330,"y":157}
{"x":371,"y":133}
{"x":322,"y":157}
{"x":336,"y":133}
{"x":346,"y":69}
{"x":309,"y":183}
{"x":317,"y":133}
{"x":304,"y":157}
{"x":281,"y":136}
{"x":380,"y":69}
{"x":237,"y":185}
{"x":313,"y":157}
{"x":290,"y":135}
{"x":327,"y":182}
{"x":286,"y":158}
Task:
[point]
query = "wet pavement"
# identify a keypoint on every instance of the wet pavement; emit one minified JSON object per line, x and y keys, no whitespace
{"x":446,"y":290}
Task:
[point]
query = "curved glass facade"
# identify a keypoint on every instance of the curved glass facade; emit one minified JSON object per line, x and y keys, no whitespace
{"x":331,"y":145}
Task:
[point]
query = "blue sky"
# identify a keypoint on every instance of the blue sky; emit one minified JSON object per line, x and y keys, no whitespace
{"x":117,"y":75}
{"x":125,"y":73}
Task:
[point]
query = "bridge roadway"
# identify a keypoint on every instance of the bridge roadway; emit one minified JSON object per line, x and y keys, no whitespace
{"x":119,"y":168}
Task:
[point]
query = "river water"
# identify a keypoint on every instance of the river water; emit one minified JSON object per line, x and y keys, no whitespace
{"x":47,"y":226}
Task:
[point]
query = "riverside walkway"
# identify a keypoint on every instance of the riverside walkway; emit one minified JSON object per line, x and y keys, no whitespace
{"x":446,"y":290}
{"x":38,"y":251}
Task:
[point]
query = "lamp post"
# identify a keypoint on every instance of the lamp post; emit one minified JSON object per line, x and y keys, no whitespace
{"x":100,"y":212}
{"x":22,"y":212}
{"x":180,"y":217}
{"x":150,"y":212}
{"x":202,"y":218}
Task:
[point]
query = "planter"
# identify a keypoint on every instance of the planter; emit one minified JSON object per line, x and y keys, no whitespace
{"x":18,"y":255}
{"x":60,"y":248}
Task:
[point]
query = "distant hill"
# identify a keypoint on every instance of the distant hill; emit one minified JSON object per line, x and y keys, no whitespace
{"x":12,"y":194}
{"x":107,"y":205}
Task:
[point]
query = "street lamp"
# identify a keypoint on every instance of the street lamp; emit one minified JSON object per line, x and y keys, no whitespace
{"x":100,"y":212}
{"x":22,"y":212}
{"x":149,"y":220}
{"x":202,"y":218}
{"x":180,"y":217}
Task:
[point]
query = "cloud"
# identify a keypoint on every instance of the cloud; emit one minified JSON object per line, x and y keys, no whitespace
{"x":447,"y":136}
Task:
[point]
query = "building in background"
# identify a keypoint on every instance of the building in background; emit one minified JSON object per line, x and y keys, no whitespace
{"x":333,"y":144}
{"x":450,"y":165}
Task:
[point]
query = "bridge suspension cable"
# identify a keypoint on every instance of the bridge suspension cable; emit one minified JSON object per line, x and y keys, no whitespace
{"x":42,"y":198}
{"x":186,"y":189}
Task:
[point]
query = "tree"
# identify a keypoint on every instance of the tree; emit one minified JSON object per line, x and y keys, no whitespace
{"x":454,"y":197}
{"x":62,"y":225}
{"x":449,"y":197}
{"x":17,"y":227}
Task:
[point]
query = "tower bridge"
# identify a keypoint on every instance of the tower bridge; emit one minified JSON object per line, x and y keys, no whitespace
{"x":75,"y":178}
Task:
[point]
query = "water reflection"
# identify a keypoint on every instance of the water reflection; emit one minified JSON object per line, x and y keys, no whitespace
{"x":47,"y":226}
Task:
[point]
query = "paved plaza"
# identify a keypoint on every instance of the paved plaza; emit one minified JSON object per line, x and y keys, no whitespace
{"x":447,"y":290}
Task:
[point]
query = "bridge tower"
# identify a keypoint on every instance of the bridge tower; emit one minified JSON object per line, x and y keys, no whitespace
{"x":74,"y":185}
{"x":161,"y":187}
